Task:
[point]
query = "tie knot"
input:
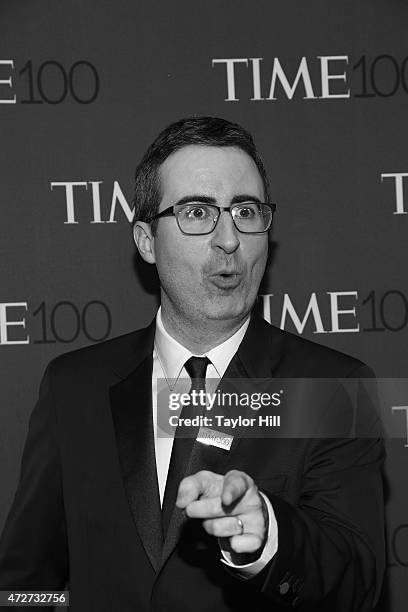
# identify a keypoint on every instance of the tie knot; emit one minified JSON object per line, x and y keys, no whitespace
{"x":197,"y":367}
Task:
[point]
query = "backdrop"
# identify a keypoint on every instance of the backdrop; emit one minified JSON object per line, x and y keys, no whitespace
{"x":85,"y":86}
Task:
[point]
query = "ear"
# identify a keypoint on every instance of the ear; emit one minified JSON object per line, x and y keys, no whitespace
{"x":144,"y":241}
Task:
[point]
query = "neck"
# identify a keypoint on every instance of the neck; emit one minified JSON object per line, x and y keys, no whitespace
{"x":199,"y":337}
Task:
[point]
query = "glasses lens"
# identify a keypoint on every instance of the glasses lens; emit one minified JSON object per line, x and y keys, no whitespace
{"x":252,"y":217}
{"x":196,"y":218}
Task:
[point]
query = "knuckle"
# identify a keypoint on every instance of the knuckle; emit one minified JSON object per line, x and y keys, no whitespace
{"x":240,"y":477}
{"x":250,"y":481}
{"x":234,"y":473}
{"x":204,"y":473}
{"x":184,"y":484}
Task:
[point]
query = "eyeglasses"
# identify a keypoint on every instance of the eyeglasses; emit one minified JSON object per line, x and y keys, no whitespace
{"x":197,"y":219}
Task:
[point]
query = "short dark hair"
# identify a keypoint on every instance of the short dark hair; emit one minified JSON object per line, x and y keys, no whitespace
{"x":206,"y":131}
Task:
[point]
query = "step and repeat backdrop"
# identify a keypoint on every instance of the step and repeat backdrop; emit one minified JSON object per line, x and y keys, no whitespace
{"x":86,"y":85}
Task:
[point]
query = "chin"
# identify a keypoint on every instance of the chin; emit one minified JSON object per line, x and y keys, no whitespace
{"x":226,"y":312}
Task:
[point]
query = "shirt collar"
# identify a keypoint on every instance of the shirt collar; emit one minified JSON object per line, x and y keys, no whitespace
{"x":173,"y":355}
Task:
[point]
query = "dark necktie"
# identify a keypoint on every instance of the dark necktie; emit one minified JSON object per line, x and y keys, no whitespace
{"x":182,"y":446}
{"x":197,"y":368}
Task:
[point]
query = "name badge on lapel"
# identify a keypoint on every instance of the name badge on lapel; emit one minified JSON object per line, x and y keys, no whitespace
{"x":212,"y":437}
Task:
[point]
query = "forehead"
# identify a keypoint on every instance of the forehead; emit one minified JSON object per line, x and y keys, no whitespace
{"x":220,"y":172}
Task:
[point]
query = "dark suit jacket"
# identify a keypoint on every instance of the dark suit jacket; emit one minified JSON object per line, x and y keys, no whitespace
{"x":87,"y":509}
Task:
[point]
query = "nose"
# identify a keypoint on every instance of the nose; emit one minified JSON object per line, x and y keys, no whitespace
{"x":225,"y":236}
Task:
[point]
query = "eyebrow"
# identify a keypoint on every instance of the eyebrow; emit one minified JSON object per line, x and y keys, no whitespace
{"x":210,"y":200}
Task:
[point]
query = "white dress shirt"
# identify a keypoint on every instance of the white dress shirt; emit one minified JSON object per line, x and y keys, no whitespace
{"x":169,"y":357}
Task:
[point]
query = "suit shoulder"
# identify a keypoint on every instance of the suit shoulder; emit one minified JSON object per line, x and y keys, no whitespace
{"x":312,"y":359}
{"x":108,"y":353}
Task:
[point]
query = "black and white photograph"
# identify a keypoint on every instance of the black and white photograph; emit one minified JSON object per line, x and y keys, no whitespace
{"x":203,"y":306}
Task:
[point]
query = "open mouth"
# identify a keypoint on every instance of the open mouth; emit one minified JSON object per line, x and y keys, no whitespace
{"x":226,"y":280}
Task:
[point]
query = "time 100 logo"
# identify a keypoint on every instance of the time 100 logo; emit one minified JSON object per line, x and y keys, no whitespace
{"x":62,"y":322}
{"x":50,"y":82}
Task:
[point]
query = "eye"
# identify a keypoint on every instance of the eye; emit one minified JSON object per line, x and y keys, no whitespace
{"x":247,"y":211}
{"x":196,"y":212}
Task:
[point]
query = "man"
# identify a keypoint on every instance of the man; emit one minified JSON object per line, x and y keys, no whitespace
{"x":135,"y":521}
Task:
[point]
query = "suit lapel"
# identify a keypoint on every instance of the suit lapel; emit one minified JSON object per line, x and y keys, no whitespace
{"x":176,"y":473}
{"x":131,"y":403}
{"x":254,"y":359}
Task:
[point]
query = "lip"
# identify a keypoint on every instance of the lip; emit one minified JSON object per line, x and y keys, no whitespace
{"x":226,"y":279}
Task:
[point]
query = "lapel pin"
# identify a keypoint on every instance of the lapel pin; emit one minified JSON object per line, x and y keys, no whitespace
{"x":212,"y":437}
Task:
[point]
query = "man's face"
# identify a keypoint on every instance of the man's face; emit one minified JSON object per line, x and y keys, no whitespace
{"x":214,"y":276}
